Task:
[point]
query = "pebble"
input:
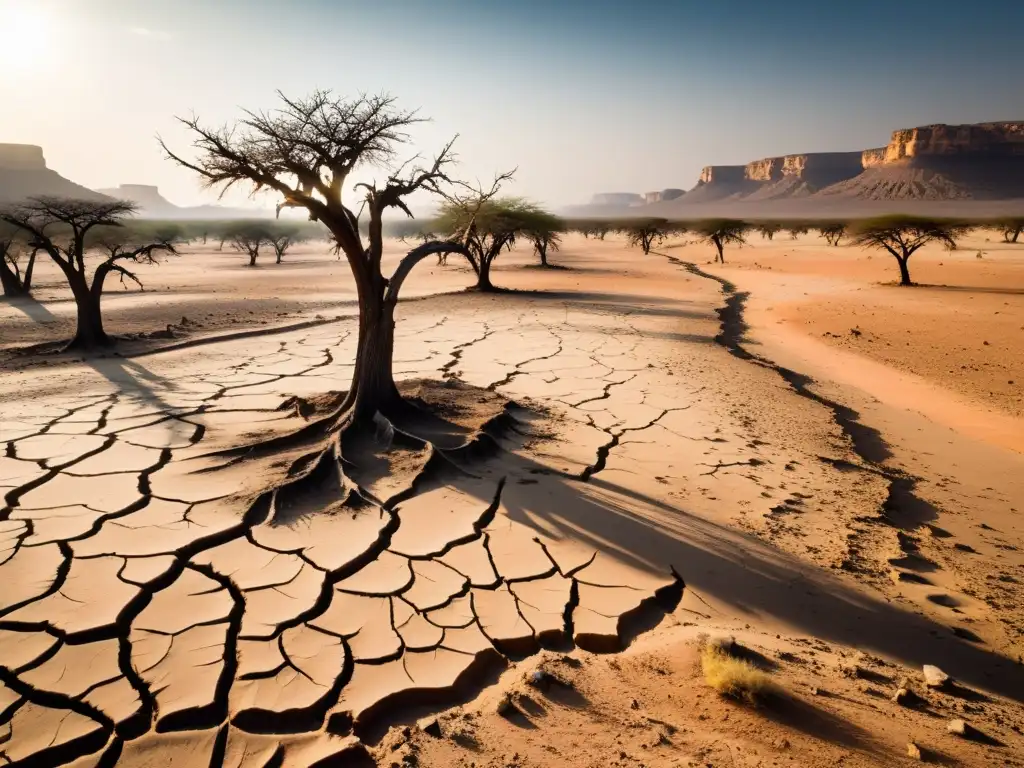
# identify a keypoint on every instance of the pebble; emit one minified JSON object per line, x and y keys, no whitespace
{"x":430,"y":726}
{"x":914,"y":751}
{"x":934,"y":677}
{"x":957,"y":727}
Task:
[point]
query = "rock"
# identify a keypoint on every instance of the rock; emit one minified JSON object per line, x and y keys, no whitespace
{"x":852,"y":671}
{"x":934,"y":677}
{"x":430,"y":726}
{"x":914,"y":751}
{"x":958,"y":727}
{"x":904,"y":697}
{"x":539,"y":679}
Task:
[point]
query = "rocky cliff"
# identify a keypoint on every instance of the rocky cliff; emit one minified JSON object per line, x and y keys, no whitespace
{"x":869,"y":158}
{"x":978,"y":140}
{"x":23,"y":173}
{"x":983,"y":161}
{"x":21,"y":157}
{"x":616,"y":199}
{"x":663,"y":195}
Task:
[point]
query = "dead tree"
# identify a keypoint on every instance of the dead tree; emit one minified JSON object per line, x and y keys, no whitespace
{"x":67,"y":230}
{"x":306,"y":151}
{"x":832,"y":231}
{"x":645,"y":233}
{"x":902,"y":236}
{"x":720,"y":233}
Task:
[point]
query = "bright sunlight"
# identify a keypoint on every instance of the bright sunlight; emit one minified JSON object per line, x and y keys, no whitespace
{"x":24,"y":35}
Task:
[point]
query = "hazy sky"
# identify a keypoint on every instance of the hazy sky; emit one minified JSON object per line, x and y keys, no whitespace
{"x":582,"y":95}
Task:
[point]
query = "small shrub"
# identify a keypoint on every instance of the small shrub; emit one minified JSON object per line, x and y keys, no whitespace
{"x":733,"y":677}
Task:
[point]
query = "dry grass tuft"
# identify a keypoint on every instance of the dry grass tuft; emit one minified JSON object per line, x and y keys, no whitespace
{"x":735,"y":678}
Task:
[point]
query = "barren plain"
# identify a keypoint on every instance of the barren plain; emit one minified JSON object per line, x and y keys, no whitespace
{"x":626,"y":453}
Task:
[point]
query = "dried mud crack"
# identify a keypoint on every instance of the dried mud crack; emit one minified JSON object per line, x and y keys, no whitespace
{"x":158,"y":580}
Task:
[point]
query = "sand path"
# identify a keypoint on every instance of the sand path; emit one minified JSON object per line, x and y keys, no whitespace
{"x":161,"y":600}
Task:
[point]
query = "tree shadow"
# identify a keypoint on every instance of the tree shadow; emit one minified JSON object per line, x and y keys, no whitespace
{"x":971,"y":289}
{"x":32,"y":308}
{"x":736,"y":569}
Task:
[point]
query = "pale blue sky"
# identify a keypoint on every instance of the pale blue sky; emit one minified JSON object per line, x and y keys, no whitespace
{"x":582,"y":96}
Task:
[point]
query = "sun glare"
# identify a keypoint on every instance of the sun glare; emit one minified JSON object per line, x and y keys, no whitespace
{"x":24,"y":31}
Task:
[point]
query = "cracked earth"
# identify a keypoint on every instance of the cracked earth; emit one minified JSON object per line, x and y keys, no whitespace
{"x":593,"y":462}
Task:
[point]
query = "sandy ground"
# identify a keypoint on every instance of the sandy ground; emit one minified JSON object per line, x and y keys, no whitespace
{"x":628,"y":443}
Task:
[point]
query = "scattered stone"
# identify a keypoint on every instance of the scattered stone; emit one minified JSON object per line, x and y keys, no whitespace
{"x":539,"y":679}
{"x":934,"y":677}
{"x":958,"y":727}
{"x":852,"y":671}
{"x":781,"y":743}
{"x":430,"y":726}
{"x":914,"y":751}
{"x":905,"y":697}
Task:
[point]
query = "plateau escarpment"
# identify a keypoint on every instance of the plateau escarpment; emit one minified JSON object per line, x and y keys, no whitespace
{"x":24,"y":173}
{"x":147,"y":197}
{"x":983,"y":161}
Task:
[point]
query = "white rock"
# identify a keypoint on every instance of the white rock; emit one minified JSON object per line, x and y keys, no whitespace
{"x":934,"y":677}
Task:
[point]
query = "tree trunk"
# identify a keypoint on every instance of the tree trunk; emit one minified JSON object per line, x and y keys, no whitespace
{"x":279,"y":257}
{"x":89,"y":333}
{"x":374,"y":380}
{"x":252,"y":259}
{"x":543,"y":251}
{"x":30,"y":268}
{"x":1016,"y":234}
{"x":904,"y":272}
{"x":10,"y":281}
{"x":483,"y":282}
{"x":721,"y":251}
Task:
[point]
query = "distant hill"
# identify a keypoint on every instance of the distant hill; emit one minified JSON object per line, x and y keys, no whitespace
{"x":23,"y":173}
{"x":153,"y":205}
{"x":918,"y":168}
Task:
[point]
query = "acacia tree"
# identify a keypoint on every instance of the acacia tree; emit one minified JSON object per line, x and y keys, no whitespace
{"x":796,"y":228}
{"x":832,"y":231}
{"x":1011,"y":228}
{"x":545,"y":232}
{"x":902,"y":236}
{"x":645,"y":233}
{"x":768,"y":229}
{"x":12,"y":250}
{"x":249,"y":237}
{"x":69,"y":230}
{"x":720,"y":233}
{"x":306,"y":151}
{"x":283,"y":237}
{"x":490,"y":226}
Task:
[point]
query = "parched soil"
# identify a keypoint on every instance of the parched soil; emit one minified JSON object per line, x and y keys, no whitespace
{"x":600,"y":467}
